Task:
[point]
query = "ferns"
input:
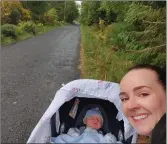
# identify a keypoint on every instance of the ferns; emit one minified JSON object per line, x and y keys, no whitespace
{"x":138,"y":29}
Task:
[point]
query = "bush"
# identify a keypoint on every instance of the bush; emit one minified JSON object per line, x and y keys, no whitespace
{"x":28,"y":26}
{"x":160,"y":60}
{"x":2,"y":37}
{"x":102,"y":24}
{"x":9,"y":30}
{"x":15,"y":16}
{"x":25,"y":14}
{"x":120,"y":35}
{"x":39,"y":24}
{"x":6,"y":40}
{"x":52,"y":14}
{"x":50,"y":17}
{"x":152,"y":58}
{"x":19,"y":31}
{"x":7,"y":7}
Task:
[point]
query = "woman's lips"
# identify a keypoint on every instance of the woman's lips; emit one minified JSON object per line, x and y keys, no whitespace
{"x":140,"y":117}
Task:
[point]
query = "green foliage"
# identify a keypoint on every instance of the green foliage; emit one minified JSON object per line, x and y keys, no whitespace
{"x":115,"y":10}
{"x":149,"y":24}
{"x":71,"y":11}
{"x":160,"y":60}
{"x":50,"y":17}
{"x":5,"y":39}
{"x":119,"y":35}
{"x":9,"y":30}
{"x":28,"y":27}
{"x":37,"y":8}
{"x":39,"y":25}
{"x":65,"y":10}
{"x":32,"y":17}
{"x":25,"y":15}
{"x":154,"y":4}
{"x":59,"y":6}
{"x":89,"y":12}
{"x":15,"y":16}
{"x":99,"y":61}
{"x":134,"y":32}
{"x":52,"y":13}
{"x":108,"y":11}
{"x":19,"y":30}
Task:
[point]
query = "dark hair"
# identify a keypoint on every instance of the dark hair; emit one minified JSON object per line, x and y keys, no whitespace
{"x":160,"y":71}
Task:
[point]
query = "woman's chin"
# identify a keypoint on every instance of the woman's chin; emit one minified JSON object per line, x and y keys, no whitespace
{"x":143,"y":132}
{"x":142,"y":126}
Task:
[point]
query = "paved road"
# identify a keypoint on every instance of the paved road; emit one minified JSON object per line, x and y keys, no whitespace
{"x":32,"y":71}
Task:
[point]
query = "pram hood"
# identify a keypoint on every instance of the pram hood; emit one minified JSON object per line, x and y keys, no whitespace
{"x":88,"y":88}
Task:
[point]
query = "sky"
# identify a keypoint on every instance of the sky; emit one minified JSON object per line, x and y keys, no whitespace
{"x":78,"y":2}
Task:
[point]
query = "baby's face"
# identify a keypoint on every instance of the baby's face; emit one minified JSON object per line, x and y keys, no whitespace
{"x":93,"y":122}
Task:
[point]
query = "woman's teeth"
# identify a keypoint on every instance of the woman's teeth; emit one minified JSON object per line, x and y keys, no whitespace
{"x":140,"y":117}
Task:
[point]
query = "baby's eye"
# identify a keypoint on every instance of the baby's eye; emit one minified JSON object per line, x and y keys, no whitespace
{"x":98,"y":119}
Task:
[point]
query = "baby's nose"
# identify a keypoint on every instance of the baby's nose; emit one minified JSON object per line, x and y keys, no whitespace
{"x":95,"y":120}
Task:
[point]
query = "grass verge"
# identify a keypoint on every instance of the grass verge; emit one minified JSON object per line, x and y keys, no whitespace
{"x":40,"y":30}
{"x":98,"y":60}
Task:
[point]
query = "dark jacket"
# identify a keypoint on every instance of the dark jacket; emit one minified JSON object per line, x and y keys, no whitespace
{"x":159,"y":132}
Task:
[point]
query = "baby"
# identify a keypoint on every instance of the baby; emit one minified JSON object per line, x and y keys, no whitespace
{"x":93,"y":119}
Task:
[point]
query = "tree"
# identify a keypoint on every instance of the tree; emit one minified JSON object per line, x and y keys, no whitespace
{"x":12,"y":11}
{"x":71,"y":11}
{"x":50,"y":17}
{"x":89,"y":12}
{"x":59,"y":6}
{"x":115,"y":10}
{"x":15,"y":16}
{"x":37,"y":8}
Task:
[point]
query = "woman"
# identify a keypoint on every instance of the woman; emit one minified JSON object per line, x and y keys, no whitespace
{"x":143,"y":96}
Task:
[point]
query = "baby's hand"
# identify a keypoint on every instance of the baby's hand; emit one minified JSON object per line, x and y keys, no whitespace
{"x":110,"y":138}
{"x":73,"y":132}
{"x":118,"y":142}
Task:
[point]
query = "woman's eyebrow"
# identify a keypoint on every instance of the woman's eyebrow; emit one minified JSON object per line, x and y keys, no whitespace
{"x":135,"y":89}
{"x":140,"y":87}
{"x":122,"y":93}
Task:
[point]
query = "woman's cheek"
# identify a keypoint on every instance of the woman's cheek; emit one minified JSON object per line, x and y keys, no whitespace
{"x":124,"y":109}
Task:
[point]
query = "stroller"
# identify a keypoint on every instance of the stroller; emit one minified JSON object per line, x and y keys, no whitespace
{"x":88,"y":93}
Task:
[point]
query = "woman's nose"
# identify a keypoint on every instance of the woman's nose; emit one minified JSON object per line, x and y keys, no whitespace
{"x":132,"y":104}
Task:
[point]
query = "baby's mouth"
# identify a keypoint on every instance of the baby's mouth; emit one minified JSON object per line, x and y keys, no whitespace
{"x":95,"y":123}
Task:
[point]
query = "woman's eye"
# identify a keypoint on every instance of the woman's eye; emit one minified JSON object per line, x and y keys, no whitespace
{"x":124,"y":99}
{"x":143,"y":94}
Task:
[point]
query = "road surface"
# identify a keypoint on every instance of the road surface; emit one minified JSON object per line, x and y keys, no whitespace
{"x":31,"y":73}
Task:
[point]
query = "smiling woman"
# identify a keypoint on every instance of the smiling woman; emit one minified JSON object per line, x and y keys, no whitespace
{"x":143,"y":96}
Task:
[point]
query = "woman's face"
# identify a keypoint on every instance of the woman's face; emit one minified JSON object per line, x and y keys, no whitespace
{"x":143,"y":99}
{"x":94,"y":122}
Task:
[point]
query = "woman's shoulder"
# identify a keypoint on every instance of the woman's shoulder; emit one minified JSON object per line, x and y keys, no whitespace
{"x":159,"y":132}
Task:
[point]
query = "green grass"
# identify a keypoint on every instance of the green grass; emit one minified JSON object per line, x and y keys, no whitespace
{"x":99,"y":60}
{"x":44,"y":29}
{"x":40,"y":30}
